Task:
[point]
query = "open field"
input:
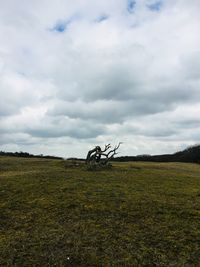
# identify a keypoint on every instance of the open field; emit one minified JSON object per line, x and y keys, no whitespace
{"x":136,"y":214}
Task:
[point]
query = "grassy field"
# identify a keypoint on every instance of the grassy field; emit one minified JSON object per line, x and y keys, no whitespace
{"x":53,"y":213}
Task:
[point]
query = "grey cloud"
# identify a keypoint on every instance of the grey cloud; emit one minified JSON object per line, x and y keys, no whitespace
{"x":160,"y":132}
{"x":188,"y":123}
{"x":7,"y":109}
{"x":101,"y":111}
{"x":51,"y":127}
{"x":80,"y":133}
{"x":190,"y":64}
{"x":106,"y":111}
{"x":19,"y":138}
{"x":61,"y":127}
{"x":150,"y":128}
{"x":139,"y":103}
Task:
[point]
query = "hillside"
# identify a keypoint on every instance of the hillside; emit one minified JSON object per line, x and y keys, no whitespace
{"x":56,"y":213}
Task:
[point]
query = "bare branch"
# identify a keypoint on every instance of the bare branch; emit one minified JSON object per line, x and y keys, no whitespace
{"x":106,"y":148}
{"x":114,"y":150}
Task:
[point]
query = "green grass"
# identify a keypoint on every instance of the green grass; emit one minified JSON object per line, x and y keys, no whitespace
{"x":136,"y":214}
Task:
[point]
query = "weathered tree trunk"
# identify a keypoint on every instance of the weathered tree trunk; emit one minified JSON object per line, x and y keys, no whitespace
{"x":97,"y":156}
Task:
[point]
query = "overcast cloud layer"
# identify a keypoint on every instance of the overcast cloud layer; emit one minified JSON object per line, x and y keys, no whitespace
{"x":74,"y":74}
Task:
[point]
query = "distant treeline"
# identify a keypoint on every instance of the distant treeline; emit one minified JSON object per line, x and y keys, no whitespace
{"x":190,"y":154}
{"x":27,"y":155}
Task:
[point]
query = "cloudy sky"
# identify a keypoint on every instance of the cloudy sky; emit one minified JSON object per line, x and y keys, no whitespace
{"x":74,"y":74}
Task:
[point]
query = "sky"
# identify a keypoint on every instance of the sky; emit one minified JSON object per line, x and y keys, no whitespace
{"x":76,"y":74}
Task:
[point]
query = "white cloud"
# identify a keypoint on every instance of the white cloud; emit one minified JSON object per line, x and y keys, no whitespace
{"x":132,"y":76}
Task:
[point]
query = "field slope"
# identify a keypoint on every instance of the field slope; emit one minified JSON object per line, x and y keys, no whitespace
{"x":54,"y":213}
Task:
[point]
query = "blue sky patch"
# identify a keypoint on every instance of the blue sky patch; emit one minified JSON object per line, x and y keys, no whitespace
{"x":155,"y":6}
{"x":131,"y":5}
{"x":60,"y":27}
{"x":102,"y":18}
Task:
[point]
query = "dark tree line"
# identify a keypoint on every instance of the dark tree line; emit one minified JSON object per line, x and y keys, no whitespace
{"x":27,"y":155}
{"x":190,"y":154}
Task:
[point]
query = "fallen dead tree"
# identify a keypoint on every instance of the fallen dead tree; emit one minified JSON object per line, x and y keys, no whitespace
{"x":101,"y":157}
